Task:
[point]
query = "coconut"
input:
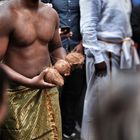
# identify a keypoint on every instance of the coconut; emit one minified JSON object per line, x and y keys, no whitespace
{"x":63,"y":67}
{"x":53,"y":76}
{"x":75,"y":58}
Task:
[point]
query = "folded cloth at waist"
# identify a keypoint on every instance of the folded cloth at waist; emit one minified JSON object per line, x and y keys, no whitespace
{"x":129,"y":56}
{"x":123,"y":48}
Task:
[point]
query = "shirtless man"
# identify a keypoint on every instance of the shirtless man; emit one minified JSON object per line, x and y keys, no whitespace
{"x":3,"y":99}
{"x":28,"y":36}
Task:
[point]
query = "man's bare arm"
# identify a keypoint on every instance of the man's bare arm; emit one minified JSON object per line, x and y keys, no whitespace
{"x":6,"y":28}
{"x":35,"y":82}
{"x":55,"y":46}
{"x":58,"y":51}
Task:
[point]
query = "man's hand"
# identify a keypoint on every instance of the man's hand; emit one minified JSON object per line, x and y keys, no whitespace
{"x":38,"y":81}
{"x":136,"y":45}
{"x":101,"y":69}
{"x":79,"y":48}
{"x":35,"y":82}
{"x":64,"y":34}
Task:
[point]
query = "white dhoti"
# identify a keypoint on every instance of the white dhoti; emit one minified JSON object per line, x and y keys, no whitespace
{"x":96,"y":88}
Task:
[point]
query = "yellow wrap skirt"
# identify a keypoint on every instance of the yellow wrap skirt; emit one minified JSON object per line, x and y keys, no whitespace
{"x":33,"y":114}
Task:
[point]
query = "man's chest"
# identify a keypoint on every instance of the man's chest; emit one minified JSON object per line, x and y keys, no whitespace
{"x":28,"y":28}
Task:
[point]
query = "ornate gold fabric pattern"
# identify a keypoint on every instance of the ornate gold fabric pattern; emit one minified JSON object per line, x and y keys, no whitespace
{"x":33,"y":114}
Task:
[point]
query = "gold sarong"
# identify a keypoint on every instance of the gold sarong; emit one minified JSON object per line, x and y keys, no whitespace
{"x":33,"y":114}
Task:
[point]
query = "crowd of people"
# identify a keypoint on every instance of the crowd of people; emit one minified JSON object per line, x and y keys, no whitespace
{"x":34,"y":35}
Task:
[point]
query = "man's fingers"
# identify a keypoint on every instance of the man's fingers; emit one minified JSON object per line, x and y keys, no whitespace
{"x":49,"y":84}
{"x":67,"y":74}
{"x":71,"y":34}
{"x":44,"y":72}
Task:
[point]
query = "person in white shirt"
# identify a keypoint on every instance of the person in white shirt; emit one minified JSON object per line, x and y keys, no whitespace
{"x":105,"y":27}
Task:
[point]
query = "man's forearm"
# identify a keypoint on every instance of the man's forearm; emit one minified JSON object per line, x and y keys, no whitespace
{"x":59,"y":53}
{"x":14,"y":76}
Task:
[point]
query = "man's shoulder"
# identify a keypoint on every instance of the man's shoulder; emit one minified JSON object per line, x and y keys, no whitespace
{"x":48,"y":9}
{"x":6,"y":10}
{"x":7,"y":16}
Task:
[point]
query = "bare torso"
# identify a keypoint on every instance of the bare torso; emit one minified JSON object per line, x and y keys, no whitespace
{"x":28,"y":51}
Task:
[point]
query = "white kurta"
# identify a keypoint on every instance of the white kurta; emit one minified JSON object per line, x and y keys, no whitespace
{"x":104,"y":26}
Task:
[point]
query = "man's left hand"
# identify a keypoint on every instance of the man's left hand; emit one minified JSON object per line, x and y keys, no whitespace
{"x":79,"y":48}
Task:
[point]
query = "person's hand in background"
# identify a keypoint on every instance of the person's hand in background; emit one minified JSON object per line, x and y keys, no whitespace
{"x":79,"y":48}
{"x":49,"y":4}
{"x":101,"y":69}
{"x":65,"y":34}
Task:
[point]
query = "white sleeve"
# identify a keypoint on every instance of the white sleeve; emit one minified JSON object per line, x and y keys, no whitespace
{"x":90,"y":16}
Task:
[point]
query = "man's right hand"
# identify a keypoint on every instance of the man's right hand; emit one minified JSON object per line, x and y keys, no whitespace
{"x":35,"y":82}
{"x":38,"y":81}
{"x":101,"y":69}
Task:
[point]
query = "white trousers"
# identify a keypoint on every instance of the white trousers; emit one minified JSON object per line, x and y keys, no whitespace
{"x":96,"y":88}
